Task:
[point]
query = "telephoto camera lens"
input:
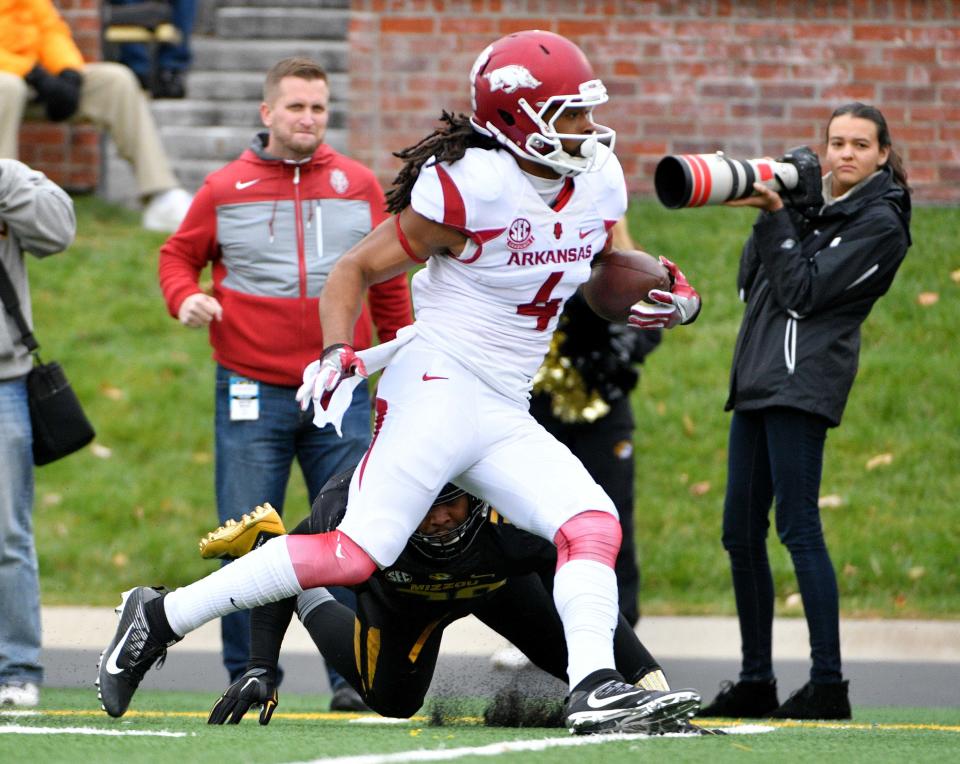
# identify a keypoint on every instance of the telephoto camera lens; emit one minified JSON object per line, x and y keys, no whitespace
{"x":695,"y":180}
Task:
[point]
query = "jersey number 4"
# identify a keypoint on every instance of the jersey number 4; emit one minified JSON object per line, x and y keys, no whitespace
{"x":542,"y":307}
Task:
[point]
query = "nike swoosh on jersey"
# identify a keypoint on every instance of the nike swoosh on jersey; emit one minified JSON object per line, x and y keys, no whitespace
{"x":593,"y":702}
{"x":428,"y":378}
{"x":242,"y":184}
{"x":112,"y":667}
{"x":585,"y":234}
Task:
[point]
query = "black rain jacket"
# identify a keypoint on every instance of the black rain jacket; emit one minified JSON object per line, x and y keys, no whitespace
{"x":809,"y":283}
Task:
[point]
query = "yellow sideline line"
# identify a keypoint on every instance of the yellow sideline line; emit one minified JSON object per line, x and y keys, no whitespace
{"x":792,"y":724}
{"x":333,"y":716}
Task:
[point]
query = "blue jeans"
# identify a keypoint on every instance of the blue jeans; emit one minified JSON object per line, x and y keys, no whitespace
{"x":253,"y":460}
{"x":777,"y":453}
{"x":136,"y":55}
{"x":19,"y":579}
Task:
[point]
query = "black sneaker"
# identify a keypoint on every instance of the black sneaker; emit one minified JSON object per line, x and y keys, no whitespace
{"x":345,"y":698}
{"x":144,"y":80}
{"x":750,"y":700}
{"x":130,"y":653}
{"x":169,"y":84}
{"x":603,"y":702}
{"x":816,"y":701}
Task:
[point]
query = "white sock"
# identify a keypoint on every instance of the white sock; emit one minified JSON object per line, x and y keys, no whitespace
{"x":264,"y":575}
{"x":585,"y":593}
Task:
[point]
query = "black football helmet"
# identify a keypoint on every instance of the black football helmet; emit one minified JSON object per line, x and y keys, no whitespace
{"x":450,"y":544}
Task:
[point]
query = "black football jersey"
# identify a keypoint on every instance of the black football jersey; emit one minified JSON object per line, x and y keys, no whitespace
{"x":498,"y":551}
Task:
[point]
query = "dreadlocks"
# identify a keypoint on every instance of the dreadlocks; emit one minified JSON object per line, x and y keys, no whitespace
{"x":447,"y":143}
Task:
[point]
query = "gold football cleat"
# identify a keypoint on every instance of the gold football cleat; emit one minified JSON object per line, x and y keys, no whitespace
{"x":235,"y":538}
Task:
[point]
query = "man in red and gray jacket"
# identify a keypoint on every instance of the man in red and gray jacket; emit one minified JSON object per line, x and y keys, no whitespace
{"x":272,"y":224}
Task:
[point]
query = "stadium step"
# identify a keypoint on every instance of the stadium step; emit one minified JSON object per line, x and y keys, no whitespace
{"x":234,"y":43}
{"x":256,"y":55}
{"x":246,"y":23}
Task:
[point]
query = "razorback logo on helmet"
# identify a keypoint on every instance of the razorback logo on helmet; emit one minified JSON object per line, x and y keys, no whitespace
{"x":511,"y":78}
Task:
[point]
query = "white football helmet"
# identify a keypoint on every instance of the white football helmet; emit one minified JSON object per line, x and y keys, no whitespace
{"x":520,"y":85}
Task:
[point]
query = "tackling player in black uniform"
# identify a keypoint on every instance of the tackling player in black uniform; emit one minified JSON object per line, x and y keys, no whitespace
{"x":463,"y":559}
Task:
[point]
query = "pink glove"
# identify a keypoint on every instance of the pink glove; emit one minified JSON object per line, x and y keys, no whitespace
{"x":680,"y":305}
{"x":322,"y":377}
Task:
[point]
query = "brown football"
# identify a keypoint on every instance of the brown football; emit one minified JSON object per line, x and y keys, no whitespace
{"x":622,"y":278}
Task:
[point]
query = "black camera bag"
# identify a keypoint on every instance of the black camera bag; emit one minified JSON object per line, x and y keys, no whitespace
{"x":59,"y":423}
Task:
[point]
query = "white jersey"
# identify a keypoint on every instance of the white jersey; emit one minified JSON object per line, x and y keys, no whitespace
{"x":495,"y":307}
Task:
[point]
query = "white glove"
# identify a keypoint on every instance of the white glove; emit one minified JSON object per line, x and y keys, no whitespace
{"x":680,"y":305}
{"x":321,"y":378}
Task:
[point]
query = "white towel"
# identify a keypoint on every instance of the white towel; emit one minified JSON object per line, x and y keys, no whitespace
{"x":374,"y":359}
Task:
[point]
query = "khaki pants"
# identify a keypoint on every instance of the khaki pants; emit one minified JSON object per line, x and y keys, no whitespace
{"x":111,"y":99}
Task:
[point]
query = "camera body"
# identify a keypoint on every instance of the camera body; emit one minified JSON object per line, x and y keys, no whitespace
{"x":695,"y":180}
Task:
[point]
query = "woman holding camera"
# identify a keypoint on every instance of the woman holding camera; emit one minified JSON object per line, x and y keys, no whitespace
{"x":809,"y":279}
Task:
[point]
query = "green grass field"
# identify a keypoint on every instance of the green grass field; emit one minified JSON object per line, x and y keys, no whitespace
{"x":130,"y":509}
{"x":168,"y":727}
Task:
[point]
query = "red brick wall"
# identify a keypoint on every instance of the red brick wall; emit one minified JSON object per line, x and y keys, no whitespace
{"x":68,"y":154}
{"x":751,"y":78}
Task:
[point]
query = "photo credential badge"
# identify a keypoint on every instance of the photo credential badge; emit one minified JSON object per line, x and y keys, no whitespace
{"x":244,"y":399}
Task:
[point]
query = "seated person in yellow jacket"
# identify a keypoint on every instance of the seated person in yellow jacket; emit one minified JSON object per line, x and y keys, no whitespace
{"x":40,"y":61}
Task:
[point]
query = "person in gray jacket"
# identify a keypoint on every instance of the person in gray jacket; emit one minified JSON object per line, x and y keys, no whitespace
{"x":809,"y":279}
{"x":36,"y":216}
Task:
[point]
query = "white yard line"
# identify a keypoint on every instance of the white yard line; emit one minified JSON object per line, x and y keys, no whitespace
{"x":496,"y":749}
{"x":17,"y":729}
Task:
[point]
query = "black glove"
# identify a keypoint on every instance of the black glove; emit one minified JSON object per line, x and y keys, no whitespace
{"x":257,"y":687}
{"x":60,"y":94}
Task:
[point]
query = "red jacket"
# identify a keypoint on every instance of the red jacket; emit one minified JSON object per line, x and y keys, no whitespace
{"x":272,"y":231}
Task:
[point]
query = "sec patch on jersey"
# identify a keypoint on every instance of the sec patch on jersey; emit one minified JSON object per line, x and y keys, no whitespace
{"x":620,"y":279}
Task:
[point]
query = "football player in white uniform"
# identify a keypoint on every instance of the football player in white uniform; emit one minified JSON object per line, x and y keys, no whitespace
{"x":508,"y":209}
